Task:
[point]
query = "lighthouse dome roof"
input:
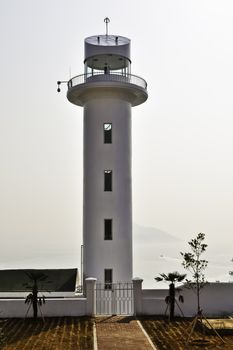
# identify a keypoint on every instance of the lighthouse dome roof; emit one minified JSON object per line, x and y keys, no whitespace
{"x":107,"y":44}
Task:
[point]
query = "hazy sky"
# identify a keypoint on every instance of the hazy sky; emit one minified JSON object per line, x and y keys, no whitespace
{"x":182,"y":136}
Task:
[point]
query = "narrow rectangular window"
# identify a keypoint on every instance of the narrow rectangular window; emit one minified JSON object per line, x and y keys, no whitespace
{"x":108,"y":278}
{"x":107,"y":180}
{"x":107,"y":133}
{"x":108,"y":229}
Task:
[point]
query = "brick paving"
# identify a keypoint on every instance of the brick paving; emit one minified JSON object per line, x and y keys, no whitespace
{"x":120,"y":333}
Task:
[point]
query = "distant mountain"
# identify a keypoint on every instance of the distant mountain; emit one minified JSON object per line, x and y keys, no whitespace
{"x":143,"y":234}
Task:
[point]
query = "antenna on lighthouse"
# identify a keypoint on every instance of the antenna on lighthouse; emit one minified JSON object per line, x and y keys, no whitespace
{"x":106,"y":20}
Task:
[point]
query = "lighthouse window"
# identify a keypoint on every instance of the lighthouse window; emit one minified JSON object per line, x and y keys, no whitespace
{"x":108,"y":229}
{"x":107,"y":133}
{"x":108,"y":278}
{"x":107,"y":180}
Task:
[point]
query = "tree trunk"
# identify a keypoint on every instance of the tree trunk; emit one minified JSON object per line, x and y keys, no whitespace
{"x":198,"y":297}
{"x":172,"y":300}
{"x":34,"y":301}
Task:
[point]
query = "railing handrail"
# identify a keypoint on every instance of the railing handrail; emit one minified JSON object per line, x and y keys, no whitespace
{"x":111,"y":76}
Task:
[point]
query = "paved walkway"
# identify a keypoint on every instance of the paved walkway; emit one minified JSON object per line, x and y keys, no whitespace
{"x":120,"y":333}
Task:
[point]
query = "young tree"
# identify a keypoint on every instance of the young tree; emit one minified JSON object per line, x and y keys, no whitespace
{"x":195,"y":265}
{"x":172,"y":278}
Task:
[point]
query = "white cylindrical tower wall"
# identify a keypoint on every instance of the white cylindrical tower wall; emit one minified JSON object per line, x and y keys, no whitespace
{"x":101,"y":254}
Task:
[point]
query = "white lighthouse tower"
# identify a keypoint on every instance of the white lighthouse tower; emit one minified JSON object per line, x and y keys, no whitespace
{"x":107,"y":90}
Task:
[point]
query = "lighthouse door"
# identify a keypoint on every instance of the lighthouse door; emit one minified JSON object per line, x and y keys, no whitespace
{"x":114,"y":299}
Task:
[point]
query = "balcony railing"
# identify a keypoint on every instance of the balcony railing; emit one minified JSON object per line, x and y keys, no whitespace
{"x":100,"y":76}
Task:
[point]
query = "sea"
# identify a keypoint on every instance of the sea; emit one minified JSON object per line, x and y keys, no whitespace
{"x":149,"y":260}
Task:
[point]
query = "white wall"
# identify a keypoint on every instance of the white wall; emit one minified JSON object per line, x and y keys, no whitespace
{"x":52,"y":308}
{"x":153,"y":301}
{"x":216,"y":300}
{"x":69,"y":306}
{"x":22,"y":295}
{"x":100,"y":254}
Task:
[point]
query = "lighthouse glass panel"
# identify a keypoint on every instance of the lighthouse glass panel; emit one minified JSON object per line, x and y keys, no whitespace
{"x":107,"y":133}
{"x":108,"y":229}
{"x":107,"y":64}
{"x":107,"y":180}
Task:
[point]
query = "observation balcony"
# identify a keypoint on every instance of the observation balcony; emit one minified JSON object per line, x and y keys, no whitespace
{"x":100,"y":76}
{"x":132,"y":87}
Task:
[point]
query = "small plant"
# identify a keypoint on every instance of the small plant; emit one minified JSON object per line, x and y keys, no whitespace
{"x":172,"y":277}
{"x":195,"y":265}
{"x":33,"y":298}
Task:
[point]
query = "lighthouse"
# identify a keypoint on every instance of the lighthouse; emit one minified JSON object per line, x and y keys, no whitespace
{"x":107,"y":91}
